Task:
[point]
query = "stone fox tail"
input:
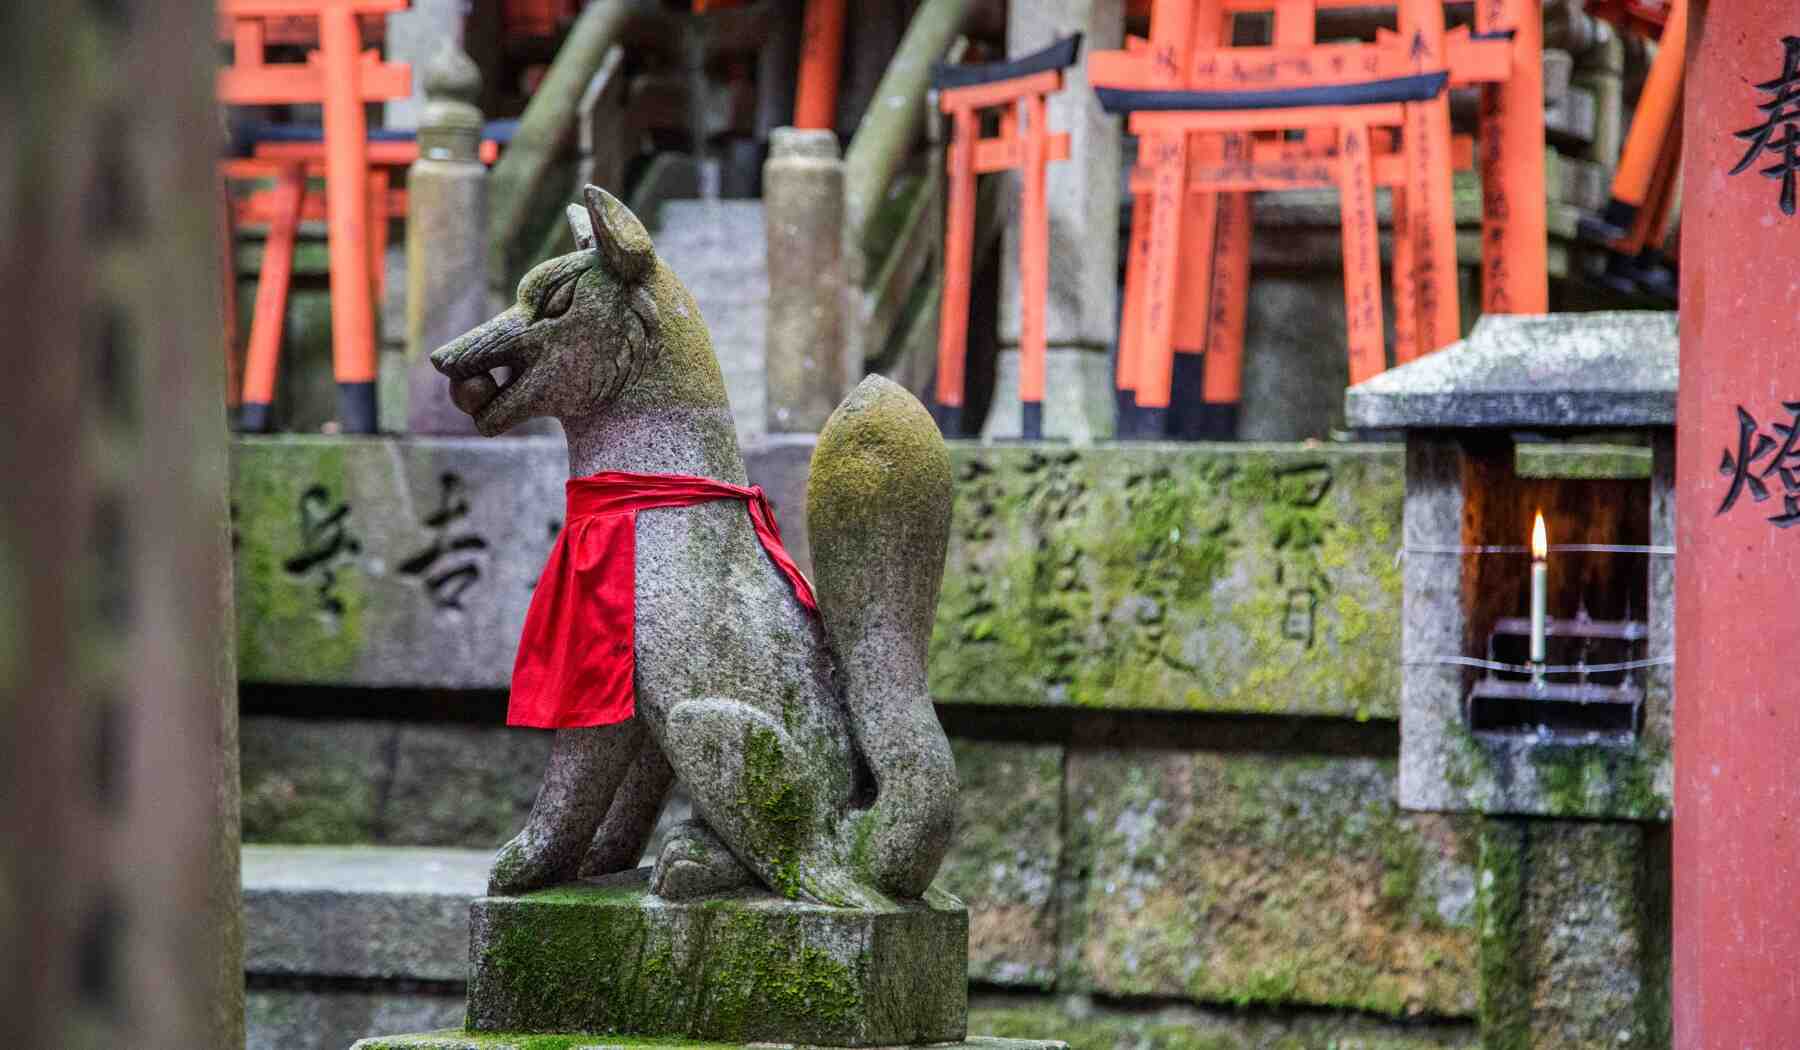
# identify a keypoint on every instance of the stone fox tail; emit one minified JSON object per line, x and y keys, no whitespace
{"x":878,"y":511}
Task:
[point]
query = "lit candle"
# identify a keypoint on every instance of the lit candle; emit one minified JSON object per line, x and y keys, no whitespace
{"x":1540,"y":578}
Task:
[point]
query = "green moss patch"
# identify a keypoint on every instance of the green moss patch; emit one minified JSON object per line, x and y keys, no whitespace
{"x":1196,"y":1029}
{"x":453,"y":1039}
{"x":301,"y":595}
{"x":1266,"y":880}
{"x":604,"y":957}
{"x":1005,"y":857}
{"x":1257,"y":579}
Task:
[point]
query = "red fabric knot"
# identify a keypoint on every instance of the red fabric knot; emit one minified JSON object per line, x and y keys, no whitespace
{"x":565,"y":676}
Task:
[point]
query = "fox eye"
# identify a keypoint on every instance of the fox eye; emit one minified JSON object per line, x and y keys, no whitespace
{"x":557,"y":302}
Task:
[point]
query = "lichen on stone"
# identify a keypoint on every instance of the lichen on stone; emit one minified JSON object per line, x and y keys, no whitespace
{"x":1266,"y":880}
{"x":286,"y":631}
{"x":1255,"y":579}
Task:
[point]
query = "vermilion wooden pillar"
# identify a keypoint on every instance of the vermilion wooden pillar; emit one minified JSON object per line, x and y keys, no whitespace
{"x":347,"y":205}
{"x":821,"y":55}
{"x":1025,"y":143}
{"x":1737,"y":711}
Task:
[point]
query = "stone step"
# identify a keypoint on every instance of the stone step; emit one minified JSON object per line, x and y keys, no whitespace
{"x":360,"y":911}
{"x":341,"y":942}
{"x":718,"y":249}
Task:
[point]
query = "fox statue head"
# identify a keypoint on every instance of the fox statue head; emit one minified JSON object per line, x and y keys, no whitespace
{"x":606,"y":328}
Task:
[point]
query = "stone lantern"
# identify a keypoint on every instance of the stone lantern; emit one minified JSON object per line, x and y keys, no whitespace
{"x":1584,"y":730}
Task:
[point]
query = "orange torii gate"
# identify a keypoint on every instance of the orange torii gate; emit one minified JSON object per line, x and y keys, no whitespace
{"x":1215,"y":123}
{"x":1025,"y":143}
{"x":342,"y":77}
{"x":1646,"y":185}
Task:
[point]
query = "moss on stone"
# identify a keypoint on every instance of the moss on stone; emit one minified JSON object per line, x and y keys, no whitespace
{"x":1253,"y":579}
{"x":1498,"y":773}
{"x":1505,"y":996}
{"x":1577,"y":780}
{"x":455,"y":1039}
{"x":1005,"y":856}
{"x":756,"y":976}
{"x":1265,"y":880}
{"x":1574,"y":935}
{"x":285,"y":632}
{"x":311,"y":783}
{"x":1176,"y":1029}
{"x":779,"y":805}
{"x":880,"y":464}
{"x":603,"y":957}
{"x":1582,"y":461}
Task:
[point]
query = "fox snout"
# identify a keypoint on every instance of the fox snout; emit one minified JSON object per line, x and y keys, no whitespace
{"x":470,"y":360}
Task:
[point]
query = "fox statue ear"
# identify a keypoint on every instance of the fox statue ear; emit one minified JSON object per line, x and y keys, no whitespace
{"x":581,"y":226}
{"x":618,"y":235}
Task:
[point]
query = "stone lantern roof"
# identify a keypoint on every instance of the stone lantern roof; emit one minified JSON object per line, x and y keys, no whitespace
{"x":1591,"y":371}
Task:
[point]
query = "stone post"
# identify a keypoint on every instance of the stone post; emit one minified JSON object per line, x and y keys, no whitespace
{"x":803,"y":206}
{"x":446,"y":237}
{"x":414,"y":36}
{"x":119,"y":899}
{"x":1082,"y":315}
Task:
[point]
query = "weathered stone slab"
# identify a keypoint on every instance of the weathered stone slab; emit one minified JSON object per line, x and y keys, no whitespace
{"x":389,"y":563}
{"x":311,"y":1018}
{"x":1206,"y":578}
{"x":409,"y":563}
{"x":359,"y":782}
{"x":310,"y":782}
{"x":607,"y":956}
{"x":1236,"y":579}
{"x":358,"y":912}
{"x":1003,"y":861}
{"x":1222,"y":1028}
{"x":457,"y":1040}
{"x":1574,"y":935}
{"x":1266,"y":879}
{"x":1592,"y":371}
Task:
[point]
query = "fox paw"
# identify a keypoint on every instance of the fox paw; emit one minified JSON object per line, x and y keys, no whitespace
{"x":694,"y":863}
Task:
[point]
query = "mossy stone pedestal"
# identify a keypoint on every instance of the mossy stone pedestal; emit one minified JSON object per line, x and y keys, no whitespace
{"x":608,"y":958}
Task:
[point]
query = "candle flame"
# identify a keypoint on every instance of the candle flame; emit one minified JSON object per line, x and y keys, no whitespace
{"x":1540,"y":541}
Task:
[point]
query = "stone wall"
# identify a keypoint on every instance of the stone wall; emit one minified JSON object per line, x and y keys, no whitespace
{"x":1170,"y":676}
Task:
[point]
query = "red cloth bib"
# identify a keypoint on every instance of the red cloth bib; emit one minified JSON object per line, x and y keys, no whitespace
{"x":577,"y":653}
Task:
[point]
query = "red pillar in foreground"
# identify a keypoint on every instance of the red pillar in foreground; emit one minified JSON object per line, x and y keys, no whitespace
{"x":1737,"y":709}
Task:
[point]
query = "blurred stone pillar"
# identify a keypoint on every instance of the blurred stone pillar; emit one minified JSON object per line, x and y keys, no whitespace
{"x":415,"y":35}
{"x":1082,"y":316}
{"x":446,"y":238}
{"x":119,"y":899}
{"x":803,"y":206}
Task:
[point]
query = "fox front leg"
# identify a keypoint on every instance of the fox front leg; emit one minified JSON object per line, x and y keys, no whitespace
{"x":760,"y":798}
{"x":584,"y":772}
{"x":620,"y":842}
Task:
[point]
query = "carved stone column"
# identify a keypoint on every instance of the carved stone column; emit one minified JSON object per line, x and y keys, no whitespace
{"x":446,"y":237}
{"x":415,"y":35}
{"x":803,"y":202}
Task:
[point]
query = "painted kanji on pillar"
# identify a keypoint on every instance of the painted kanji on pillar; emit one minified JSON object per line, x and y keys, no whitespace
{"x":1737,"y":710}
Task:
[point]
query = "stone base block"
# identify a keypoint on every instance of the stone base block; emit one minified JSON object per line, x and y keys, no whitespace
{"x":607,"y":956}
{"x":457,"y":1040}
{"x":1078,"y":396}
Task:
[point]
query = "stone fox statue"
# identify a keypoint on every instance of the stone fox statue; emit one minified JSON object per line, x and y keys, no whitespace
{"x":807,"y":740}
